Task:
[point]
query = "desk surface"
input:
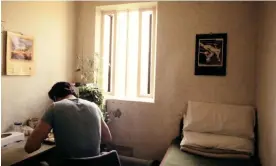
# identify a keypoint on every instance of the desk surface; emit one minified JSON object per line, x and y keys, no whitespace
{"x":15,"y":153}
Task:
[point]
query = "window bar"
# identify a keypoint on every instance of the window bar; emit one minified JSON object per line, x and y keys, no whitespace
{"x":127,"y":44}
{"x":113,"y":73}
{"x":110,"y":53}
{"x":139,"y":53}
{"x":149,"y":57}
{"x":153,"y":53}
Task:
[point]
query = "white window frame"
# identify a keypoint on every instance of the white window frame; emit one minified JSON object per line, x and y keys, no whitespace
{"x":111,"y":93}
{"x":112,"y":10}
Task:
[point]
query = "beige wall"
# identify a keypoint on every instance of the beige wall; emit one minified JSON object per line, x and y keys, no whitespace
{"x":266,"y":83}
{"x":149,"y":127}
{"x":52,"y":24}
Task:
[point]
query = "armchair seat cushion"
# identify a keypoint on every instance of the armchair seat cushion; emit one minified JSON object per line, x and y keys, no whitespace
{"x":175,"y":157}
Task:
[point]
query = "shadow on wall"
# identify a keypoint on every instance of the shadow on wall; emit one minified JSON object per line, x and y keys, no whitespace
{"x":4,"y":39}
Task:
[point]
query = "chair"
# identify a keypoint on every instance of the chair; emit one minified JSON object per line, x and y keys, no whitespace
{"x":106,"y":159}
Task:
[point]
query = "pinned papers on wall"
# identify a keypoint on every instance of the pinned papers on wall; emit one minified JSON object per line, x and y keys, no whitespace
{"x":19,"y":54}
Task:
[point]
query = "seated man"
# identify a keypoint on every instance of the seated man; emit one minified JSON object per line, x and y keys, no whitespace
{"x":77,"y":125}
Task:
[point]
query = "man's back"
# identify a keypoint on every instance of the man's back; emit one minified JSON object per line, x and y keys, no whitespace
{"x":77,"y":127}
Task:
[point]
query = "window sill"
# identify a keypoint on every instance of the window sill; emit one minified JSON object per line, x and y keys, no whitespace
{"x":137,"y":99}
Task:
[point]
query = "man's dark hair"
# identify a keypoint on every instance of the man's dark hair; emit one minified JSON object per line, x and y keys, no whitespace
{"x":61,"y":90}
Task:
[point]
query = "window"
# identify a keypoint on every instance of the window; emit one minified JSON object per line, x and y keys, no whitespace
{"x":128,"y":49}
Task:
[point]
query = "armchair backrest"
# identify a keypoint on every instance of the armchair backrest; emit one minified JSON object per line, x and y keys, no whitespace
{"x":106,"y":159}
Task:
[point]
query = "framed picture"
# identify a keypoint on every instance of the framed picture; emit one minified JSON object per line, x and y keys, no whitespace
{"x":19,"y":54}
{"x":210,"y":55}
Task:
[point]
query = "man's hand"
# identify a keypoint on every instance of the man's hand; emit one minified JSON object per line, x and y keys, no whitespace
{"x":105,"y":132}
{"x":38,"y":135}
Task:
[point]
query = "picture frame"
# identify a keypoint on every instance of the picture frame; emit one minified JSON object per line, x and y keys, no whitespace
{"x":211,"y":54}
{"x":19,"y":54}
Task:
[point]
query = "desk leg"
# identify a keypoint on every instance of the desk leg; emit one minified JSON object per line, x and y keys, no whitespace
{"x":48,"y":156}
{"x":28,"y":162}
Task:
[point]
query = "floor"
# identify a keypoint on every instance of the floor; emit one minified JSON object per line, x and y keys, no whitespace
{"x":130,"y":161}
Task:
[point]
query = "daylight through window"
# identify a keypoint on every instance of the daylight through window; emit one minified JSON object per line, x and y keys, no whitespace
{"x":128,"y":48}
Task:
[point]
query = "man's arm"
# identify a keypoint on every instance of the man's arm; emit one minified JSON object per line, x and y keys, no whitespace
{"x":41,"y":131}
{"x":105,"y":132}
{"x":38,"y":135}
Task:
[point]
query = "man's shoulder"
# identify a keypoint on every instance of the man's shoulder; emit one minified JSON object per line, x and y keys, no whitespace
{"x":86,"y":102}
{"x":68,"y":102}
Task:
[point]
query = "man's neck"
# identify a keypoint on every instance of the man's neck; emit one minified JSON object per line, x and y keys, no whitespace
{"x":70,"y":97}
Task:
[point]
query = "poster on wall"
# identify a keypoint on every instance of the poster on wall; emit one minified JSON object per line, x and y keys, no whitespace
{"x":210,"y":55}
{"x":19,"y":54}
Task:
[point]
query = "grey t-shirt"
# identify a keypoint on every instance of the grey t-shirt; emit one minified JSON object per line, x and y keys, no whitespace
{"x":77,"y":127}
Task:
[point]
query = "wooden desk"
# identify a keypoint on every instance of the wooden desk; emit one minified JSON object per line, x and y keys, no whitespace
{"x":15,"y":153}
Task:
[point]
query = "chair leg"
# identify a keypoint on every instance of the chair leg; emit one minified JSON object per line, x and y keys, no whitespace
{"x":44,"y":163}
